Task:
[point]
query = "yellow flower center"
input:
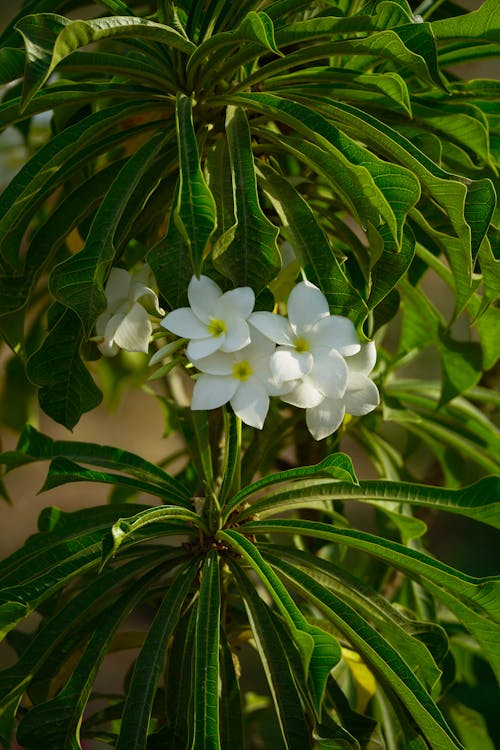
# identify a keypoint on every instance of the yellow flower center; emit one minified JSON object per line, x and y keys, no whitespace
{"x":216,"y":327}
{"x":241,"y":370}
{"x":301,"y":344}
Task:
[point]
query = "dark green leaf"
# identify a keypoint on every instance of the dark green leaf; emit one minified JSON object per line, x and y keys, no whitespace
{"x":273,"y":651}
{"x":195,"y":213}
{"x":206,"y":658}
{"x":78,"y":281}
{"x":247,"y":252}
{"x":67,"y":390}
{"x":141,"y":692}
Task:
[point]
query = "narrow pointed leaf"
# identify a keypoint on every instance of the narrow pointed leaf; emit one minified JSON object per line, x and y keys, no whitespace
{"x":195,"y":211}
{"x":390,"y":667}
{"x":247,"y":252}
{"x":206,"y":658}
{"x":273,"y":652}
{"x":319,"y":650}
{"x":141,"y":692}
{"x":35,"y":446}
{"x":78,"y":281}
{"x":310,"y":243}
{"x":50,"y":38}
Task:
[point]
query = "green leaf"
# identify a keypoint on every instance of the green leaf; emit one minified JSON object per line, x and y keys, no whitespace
{"x":57,"y":721}
{"x":179,"y":683}
{"x":231,"y":713}
{"x":461,"y":363}
{"x":171,"y":517}
{"x":11,"y":64}
{"x":255,"y":29}
{"x":195,"y":212}
{"x":67,"y":390}
{"x":318,"y":649}
{"x":35,"y":446}
{"x":421,"y":643}
{"x":78,"y":281}
{"x":483,"y":24}
{"x":142,"y":688}
{"x":273,"y":651}
{"x":62,"y":471}
{"x":310,"y":243}
{"x":81,"y":608}
{"x":171,"y":263}
{"x":206,"y":658}
{"x":390,"y":668}
{"x":475,"y":601}
{"x":50,"y":166}
{"x":479,"y":501}
{"x":372,"y":188}
{"x":50,"y":38}
{"x":337,"y":466}
{"x":247,"y":252}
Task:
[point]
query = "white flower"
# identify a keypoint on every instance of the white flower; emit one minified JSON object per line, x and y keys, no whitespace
{"x":214,"y":320}
{"x":311,"y":348}
{"x":242,"y":378}
{"x":361,"y":396}
{"x":125,"y":323}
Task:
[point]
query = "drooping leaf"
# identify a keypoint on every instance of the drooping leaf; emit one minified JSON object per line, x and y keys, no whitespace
{"x":50,"y":38}
{"x":67,"y":389}
{"x":35,"y":446}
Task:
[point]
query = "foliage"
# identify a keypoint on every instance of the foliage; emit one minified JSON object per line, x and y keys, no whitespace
{"x":207,"y":137}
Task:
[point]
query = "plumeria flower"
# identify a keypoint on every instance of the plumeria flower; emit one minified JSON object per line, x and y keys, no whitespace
{"x":311,"y":348}
{"x":361,"y":395}
{"x":215,"y":320}
{"x":125,"y":324}
{"x":243,"y":378}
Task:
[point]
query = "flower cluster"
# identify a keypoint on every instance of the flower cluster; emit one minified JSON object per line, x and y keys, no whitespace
{"x":311,"y":359}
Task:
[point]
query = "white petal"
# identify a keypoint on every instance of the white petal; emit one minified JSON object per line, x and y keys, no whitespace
{"x":203,"y":294}
{"x":235,"y":303}
{"x":329,"y":373}
{"x":361,"y":396}
{"x":108,"y":349}
{"x":148,"y":299}
{"x":101,"y":322}
{"x":117,"y":288}
{"x":135,"y":330}
{"x":183,"y":322}
{"x":237,"y":335}
{"x":275,"y":327}
{"x":335,"y":332}
{"x":287,"y":364}
{"x":324,"y":419}
{"x":211,"y":391}
{"x":305,"y":395}
{"x":113,"y":323}
{"x":218,"y":363}
{"x":364,"y":361}
{"x":306,"y":305}
{"x":251,"y":403}
{"x":200,"y":348}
